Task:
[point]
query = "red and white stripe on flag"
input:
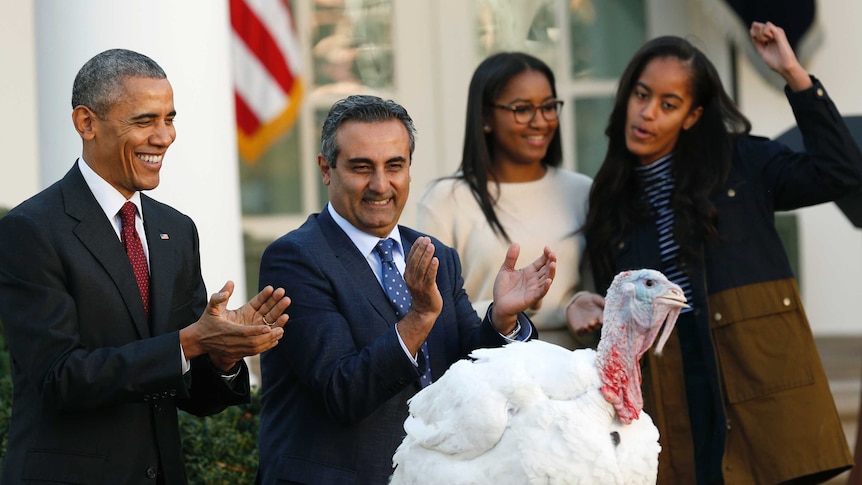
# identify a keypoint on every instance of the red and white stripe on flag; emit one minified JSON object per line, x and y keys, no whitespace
{"x":266,"y":64}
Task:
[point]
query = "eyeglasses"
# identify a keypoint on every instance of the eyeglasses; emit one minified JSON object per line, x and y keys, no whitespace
{"x":525,"y":113}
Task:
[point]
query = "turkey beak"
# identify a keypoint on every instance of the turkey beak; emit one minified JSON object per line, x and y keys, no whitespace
{"x":674,"y":298}
{"x":673,"y":301}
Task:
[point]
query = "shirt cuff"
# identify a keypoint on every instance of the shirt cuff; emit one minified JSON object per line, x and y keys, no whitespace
{"x":229,"y":376}
{"x":186,"y":365}
{"x":523,"y":327}
{"x":413,"y":358}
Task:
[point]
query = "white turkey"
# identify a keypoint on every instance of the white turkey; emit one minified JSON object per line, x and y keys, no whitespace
{"x":533,"y":412}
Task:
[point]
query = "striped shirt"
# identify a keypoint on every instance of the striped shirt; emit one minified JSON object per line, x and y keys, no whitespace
{"x":657,"y":184}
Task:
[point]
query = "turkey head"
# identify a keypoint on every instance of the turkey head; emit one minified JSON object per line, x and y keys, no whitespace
{"x":636,"y":305}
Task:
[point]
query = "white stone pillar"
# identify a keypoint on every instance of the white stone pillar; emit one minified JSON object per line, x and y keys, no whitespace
{"x":19,"y":167}
{"x":190,"y":40}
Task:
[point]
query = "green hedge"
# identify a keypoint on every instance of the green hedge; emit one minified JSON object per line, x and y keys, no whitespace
{"x":222,"y":449}
{"x":219,"y":449}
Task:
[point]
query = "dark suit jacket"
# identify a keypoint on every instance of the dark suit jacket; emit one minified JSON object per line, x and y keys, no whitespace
{"x":96,"y":387}
{"x":335,"y":389}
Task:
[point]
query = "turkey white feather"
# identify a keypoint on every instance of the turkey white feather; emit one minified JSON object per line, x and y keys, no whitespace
{"x":533,"y":412}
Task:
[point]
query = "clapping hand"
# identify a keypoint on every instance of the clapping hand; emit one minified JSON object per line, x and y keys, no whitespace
{"x":266,"y":308}
{"x":229,"y":335}
{"x":420,"y":275}
{"x":516,"y":290}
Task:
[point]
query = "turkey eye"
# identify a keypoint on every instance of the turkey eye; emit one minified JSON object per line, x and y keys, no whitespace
{"x":649,"y":283}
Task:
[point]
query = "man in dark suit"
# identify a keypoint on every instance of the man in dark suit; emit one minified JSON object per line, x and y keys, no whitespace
{"x":106,"y":317}
{"x":335,"y":390}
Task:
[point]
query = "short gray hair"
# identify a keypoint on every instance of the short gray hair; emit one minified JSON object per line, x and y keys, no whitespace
{"x":99,"y":83}
{"x":365,"y":109}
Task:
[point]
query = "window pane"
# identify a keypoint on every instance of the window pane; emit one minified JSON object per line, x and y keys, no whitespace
{"x":604,"y":35}
{"x":518,"y":25}
{"x":271,"y":185}
{"x":352,"y":45}
{"x":591,"y":118}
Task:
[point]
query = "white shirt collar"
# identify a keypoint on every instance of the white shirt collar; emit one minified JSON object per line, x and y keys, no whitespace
{"x":363,"y":241}
{"x":109,"y":198}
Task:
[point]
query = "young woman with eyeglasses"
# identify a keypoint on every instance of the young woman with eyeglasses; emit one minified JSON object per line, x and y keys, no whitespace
{"x":509,"y":187}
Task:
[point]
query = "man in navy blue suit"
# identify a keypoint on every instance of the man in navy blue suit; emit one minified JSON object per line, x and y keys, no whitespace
{"x":335,"y":389}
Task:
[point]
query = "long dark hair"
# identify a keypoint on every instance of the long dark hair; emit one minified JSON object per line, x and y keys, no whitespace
{"x":701,"y":161}
{"x":488,"y":81}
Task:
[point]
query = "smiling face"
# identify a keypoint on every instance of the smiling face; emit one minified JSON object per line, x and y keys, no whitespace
{"x":126,"y":145}
{"x":659,"y":108}
{"x":370,"y":182}
{"x":515,"y":143}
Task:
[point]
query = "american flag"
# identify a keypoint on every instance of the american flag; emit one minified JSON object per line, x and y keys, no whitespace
{"x":267,"y":65}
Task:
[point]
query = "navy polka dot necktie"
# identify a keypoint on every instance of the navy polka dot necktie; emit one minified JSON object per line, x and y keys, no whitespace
{"x":135,"y":251}
{"x":399,"y":297}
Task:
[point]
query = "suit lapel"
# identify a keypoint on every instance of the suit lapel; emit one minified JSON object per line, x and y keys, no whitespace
{"x":159,"y":245}
{"x":96,"y":234}
{"x":356,"y":266}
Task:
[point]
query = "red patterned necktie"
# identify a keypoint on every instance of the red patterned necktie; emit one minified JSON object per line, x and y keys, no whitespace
{"x":135,"y":251}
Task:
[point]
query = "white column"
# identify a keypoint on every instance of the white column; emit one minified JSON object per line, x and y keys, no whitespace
{"x":19,"y":163}
{"x":190,"y":40}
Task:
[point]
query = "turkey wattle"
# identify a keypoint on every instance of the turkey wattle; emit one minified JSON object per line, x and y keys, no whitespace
{"x":534,"y":412}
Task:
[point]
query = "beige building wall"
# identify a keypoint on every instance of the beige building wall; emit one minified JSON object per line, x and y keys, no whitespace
{"x":19,"y":164}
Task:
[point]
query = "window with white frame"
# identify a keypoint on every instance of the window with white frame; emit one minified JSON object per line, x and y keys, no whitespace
{"x":587,"y":50}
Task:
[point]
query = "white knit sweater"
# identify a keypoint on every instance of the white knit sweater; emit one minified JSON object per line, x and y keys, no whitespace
{"x":545,"y":212}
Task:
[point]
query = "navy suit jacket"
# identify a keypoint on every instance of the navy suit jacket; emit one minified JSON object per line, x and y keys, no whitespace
{"x":335,"y":389}
{"x":97,"y":385}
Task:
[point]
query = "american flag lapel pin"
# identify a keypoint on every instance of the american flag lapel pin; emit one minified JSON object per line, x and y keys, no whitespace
{"x":164,"y":236}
